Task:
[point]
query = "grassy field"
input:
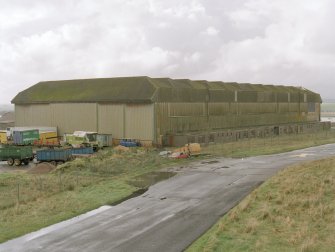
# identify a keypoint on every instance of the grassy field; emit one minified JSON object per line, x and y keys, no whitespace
{"x":293,"y":211}
{"x":328,"y":107}
{"x":270,"y":145}
{"x":29,"y":202}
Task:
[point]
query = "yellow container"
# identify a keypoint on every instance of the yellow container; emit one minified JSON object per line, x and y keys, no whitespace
{"x":191,"y":148}
{"x":48,"y":138}
{"x":3,"y":137}
{"x":194,"y":148}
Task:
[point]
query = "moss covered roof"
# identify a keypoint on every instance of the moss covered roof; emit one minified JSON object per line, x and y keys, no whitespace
{"x":148,"y":90}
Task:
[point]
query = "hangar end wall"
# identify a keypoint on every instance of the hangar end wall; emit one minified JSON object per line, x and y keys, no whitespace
{"x":120,"y":120}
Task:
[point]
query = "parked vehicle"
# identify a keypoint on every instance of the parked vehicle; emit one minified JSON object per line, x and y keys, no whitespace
{"x":3,"y":136}
{"x":47,"y":138}
{"x":16,"y":155}
{"x":55,"y":156}
{"x":83,"y":139}
{"x":82,"y":151}
{"x":129,"y":142}
{"x":25,"y":137}
{"x":105,"y":140}
{"x":10,"y":130}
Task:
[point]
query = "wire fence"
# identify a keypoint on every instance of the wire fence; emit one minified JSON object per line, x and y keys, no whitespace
{"x":16,"y":190}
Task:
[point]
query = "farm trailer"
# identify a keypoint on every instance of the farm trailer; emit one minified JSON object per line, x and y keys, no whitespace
{"x":54,"y":156}
{"x":16,"y":155}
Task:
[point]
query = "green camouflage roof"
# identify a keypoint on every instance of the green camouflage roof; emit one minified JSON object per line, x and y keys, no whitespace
{"x":148,"y":90}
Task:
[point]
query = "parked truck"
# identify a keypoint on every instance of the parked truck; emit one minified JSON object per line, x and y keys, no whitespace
{"x":3,"y":136}
{"x":16,"y":155}
{"x":83,"y":139}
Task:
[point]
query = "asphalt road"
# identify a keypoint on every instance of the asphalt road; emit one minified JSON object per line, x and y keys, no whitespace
{"x":172,"y":213}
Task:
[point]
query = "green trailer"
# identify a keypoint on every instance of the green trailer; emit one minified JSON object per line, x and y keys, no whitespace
{"x":16,"y":155}
{"x":25,"y":137}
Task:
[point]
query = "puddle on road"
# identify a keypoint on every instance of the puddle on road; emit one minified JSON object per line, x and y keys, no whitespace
{"x":151,"y":178}
{"x":133,"y":195}
{"x":144,"y":182}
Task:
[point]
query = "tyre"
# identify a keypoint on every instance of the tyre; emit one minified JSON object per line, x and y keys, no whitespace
{"x":10,"y":161}
{"x":17,"y":162}
{"x":26,"y":162}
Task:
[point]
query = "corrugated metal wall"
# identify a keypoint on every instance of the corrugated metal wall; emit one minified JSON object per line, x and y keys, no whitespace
{"x":69,"y":117}
{"x":120,"y":120}
{"x":111,"y":119}
{"x":229,"y":115}
{"x":127,"y":121}
{"x":33,"y":115}
{"x":66,"y":116}
{"x":139,"y":121}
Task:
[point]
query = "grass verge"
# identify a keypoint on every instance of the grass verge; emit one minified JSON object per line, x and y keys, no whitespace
{"x":29,"y":202}
{"x":292,"y":211}
{"x":270,"y":145}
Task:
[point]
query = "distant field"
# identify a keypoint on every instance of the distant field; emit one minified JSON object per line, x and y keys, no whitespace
{"x":328,"y":107}
{"x":6,"y":107}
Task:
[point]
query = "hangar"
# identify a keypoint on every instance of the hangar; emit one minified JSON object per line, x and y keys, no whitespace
{"x":166,"y":111}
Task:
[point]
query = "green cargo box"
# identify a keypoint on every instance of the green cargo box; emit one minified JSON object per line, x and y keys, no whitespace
{"x":16,"y":155}
{"x":25,"y":137}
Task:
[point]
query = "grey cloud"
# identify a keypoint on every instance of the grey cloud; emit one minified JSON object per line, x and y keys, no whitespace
{"x":280,"y":41}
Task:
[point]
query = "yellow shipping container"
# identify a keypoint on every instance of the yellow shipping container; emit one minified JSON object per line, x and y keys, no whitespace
{"x":49,"y":137}
{"x":3,"y":137}
{"x":191,"y":148}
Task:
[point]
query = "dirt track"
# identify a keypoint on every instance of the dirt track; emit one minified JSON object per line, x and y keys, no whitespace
{"x":4,"y":167}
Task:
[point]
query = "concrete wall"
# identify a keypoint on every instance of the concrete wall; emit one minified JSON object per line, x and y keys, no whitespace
{"x":231,"y":135}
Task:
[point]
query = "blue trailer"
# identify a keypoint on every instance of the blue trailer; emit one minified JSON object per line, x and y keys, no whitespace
{"x":82,"y":151}
{"x":55,"y":156}
{"x":129,"y":143}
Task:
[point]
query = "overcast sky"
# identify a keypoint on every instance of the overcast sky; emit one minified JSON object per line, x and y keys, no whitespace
{"x":289,"y":42}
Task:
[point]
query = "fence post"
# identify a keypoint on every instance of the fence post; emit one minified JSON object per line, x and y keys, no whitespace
{"x":60,"y":182}
{"x":18,"y":192}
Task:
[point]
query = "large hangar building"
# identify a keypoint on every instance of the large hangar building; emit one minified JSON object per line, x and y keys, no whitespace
{"x":167,"y":111}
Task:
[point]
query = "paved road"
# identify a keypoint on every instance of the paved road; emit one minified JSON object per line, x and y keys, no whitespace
{"x":172,"y":213}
